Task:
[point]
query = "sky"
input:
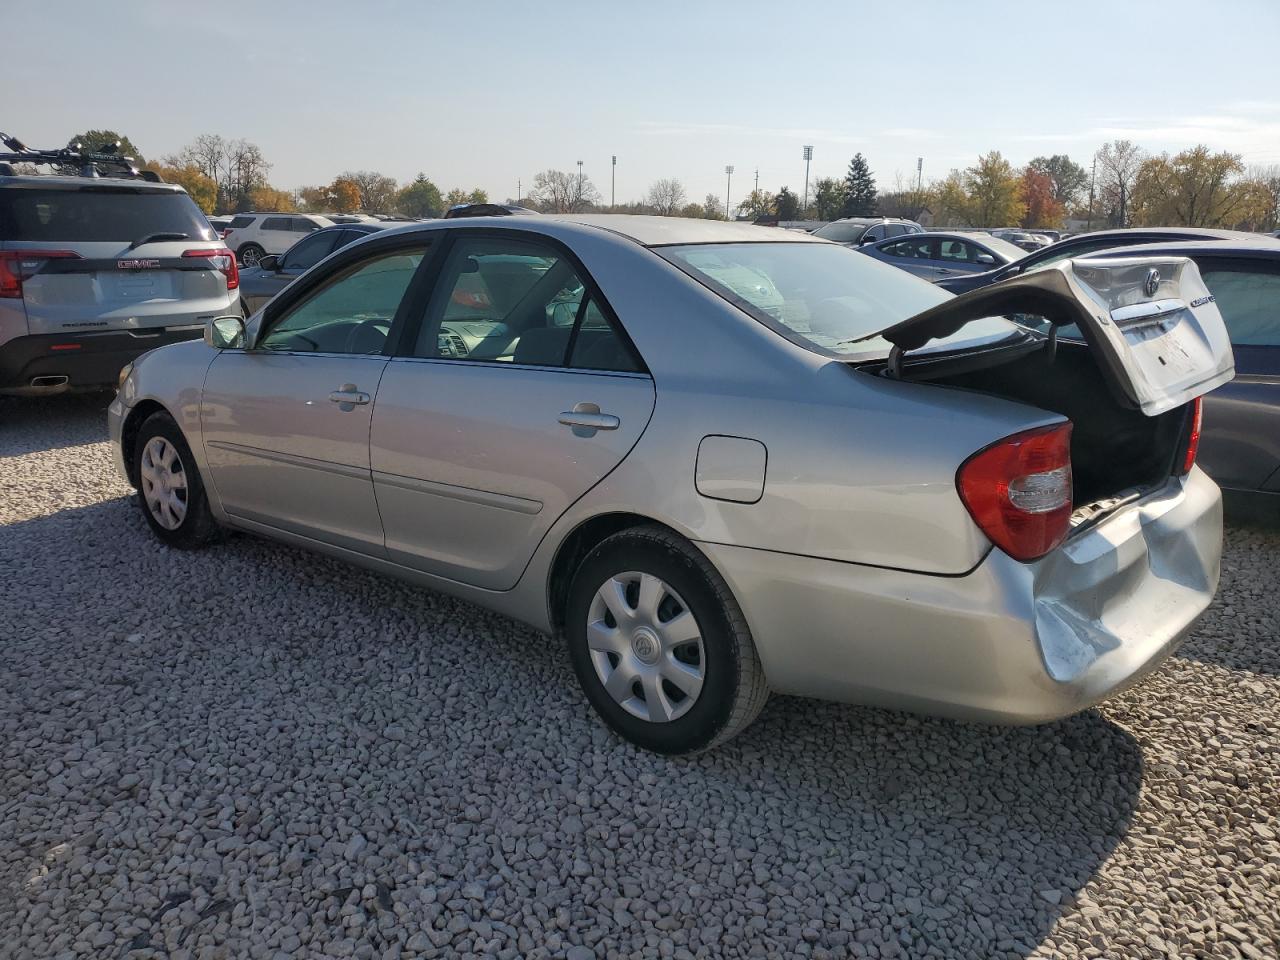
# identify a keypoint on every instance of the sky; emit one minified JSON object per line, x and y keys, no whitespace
{"x":486,"y":94}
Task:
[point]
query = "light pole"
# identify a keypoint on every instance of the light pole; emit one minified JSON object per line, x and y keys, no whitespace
{"x":518,"y":188}
{"x":613,"y":183}
{"x":728,"y":182}
{"x":808,"y":155}
{"x":919,"y":174}
{"x":578,"y":198}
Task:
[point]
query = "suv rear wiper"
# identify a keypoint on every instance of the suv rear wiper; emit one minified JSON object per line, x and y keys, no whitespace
{"x":153,"y":237}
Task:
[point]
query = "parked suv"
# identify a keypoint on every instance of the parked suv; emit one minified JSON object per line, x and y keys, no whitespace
{"x":852,"y":231}
{"x":95,"y":271}
{"x":254,"y":235}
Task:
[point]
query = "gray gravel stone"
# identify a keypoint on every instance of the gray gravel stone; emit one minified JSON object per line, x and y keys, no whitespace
{"x":252,"y":751}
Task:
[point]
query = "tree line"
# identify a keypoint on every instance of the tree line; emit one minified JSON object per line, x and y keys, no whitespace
{"x":1124,"y":185}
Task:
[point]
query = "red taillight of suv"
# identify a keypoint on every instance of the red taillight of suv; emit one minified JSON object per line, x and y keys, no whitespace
{"x":1018,"y":490}
{"x":224,"y":263}
{"x":19,"y":265}
{"x":1193,"y":438}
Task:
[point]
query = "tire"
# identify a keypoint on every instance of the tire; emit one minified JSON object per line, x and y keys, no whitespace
{"x":628,"y":640}
{"x":249,"y":254}
{"x":178,"y":513}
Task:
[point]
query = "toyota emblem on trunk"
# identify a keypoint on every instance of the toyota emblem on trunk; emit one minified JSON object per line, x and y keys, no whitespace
{"x":1152,"y":283}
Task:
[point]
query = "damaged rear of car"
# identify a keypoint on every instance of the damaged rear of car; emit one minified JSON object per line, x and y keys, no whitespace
{"x":1096,"y":542}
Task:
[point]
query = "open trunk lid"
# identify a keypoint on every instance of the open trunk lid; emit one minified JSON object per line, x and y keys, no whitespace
{"x":1151,"y":323}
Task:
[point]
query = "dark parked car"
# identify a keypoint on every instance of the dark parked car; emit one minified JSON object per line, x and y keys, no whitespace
{"x":936,"y":255}
{"x":1240,"y":442}
{"x":273,"y":273}
{"x":1085,"y":244}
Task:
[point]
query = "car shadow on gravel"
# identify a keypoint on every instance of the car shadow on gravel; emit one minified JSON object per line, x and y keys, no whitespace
{"x":32,"y":424}
{"x":922,"y":836}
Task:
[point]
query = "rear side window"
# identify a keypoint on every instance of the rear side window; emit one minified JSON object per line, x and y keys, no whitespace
{"x":278,"y":223}
{"x":98,"y":214}
{"x":1249,"y":301}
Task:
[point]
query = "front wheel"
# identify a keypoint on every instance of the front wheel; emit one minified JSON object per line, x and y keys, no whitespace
{"x":250,"y":254}
{"x":169,"y":486}
{"x":659,"y":644}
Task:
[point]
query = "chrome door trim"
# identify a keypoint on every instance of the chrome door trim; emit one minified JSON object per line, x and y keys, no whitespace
{"x":486,"y":498}
{"x":341,"y":469}
{"x":508,"y":365}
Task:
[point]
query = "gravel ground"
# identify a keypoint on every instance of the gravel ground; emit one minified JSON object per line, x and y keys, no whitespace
{"x":256,"y":752}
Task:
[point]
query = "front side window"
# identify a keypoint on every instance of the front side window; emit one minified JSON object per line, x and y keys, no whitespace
{"x":278,"y":223}
{"x":914,"y":249}
{"x":955,"y":251}
{"x":830,"y":299}
{"x":518,"y":301}
{"x":1249,"y":300}
{"x":303,"y":225}
{"x":352,"y":314}
{"x":239,"y":223}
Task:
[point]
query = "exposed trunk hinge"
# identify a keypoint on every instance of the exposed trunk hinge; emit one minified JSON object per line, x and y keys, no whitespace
{"x":894,"y":370}
{"x":1051,"y":345}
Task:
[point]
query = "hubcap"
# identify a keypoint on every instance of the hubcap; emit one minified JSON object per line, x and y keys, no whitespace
{"x":646,"y":647}
{"x":164,"y":483}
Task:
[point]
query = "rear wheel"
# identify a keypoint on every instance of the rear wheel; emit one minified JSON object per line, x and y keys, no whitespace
{"x":169,"y":486}
{"x":660,"y":645}
{"x":250,"y":254}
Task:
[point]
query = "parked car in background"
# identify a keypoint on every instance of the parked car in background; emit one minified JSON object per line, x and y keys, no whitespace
{"x":351,"y":217}
{"x":935,"y":255}
{"x":220,"y":224}
{"x":852,"y":231}
{"x":1240,"y":442}
{"x":95,"y":271}
{"x":273,"y":273}
{"x":1085,"y":244}
{"x":1023,"y":239}
{"x":483,"y":408}
{"x":254,"y":235}
{"x":486,"y":210}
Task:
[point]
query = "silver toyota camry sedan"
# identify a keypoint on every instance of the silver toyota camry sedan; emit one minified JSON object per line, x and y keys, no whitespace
{"x":719,"y":460}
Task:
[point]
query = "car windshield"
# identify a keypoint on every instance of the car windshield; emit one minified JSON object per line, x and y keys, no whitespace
{"x":841,"y":232}
{"x":1004,"y":248}
{"x":830,"y":299}
{"x":98,"y":214}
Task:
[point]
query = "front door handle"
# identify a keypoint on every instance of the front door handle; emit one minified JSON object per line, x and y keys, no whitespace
{"x":586,"y":419}
{"x":348,"y":397}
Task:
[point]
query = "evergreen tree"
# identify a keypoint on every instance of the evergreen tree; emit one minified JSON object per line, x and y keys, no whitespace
{"x":859,"y":189}
{"x":786,"y":205}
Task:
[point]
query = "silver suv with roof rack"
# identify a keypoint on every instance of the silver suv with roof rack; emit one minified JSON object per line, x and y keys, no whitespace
{"x":96,"y":270}
{"x":854,"y":231}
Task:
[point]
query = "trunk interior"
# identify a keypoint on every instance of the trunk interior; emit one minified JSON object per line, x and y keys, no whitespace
{"x":1114,"y":449}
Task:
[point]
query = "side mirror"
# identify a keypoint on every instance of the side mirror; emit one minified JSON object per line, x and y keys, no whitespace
{"x":270,"y":263}
{"x":986,"y":259}
{"x":864,"y":240}
{"x":225,"y":333}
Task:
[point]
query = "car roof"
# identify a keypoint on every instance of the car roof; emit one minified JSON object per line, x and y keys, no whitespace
{"x":1249,"y":245}
{"x":1174,"y":233}
{"x":59,"y":182}
{"x":661,"y":231}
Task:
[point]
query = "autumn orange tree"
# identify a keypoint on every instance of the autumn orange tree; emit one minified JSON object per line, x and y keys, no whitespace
{"x":1043,"y":210}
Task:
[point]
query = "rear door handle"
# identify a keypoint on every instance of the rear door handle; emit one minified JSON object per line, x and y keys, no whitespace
{"x":348,"y":397}
{"x":586,"y":419}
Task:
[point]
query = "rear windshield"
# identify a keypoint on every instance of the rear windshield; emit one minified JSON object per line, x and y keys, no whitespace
{"x":828,"y":298}
{"x":88,"y":215}
{"x":841,"y":232}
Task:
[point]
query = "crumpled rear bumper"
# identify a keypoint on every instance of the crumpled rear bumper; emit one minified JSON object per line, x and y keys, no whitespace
{"x":1008,"y":642}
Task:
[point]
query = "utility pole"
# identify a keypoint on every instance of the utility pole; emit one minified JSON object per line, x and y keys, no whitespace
{"x":517,"y":191}
{"x":919,"y":174}
{"x":1093,"y":178}
{"x":613,"y":183}
{"x":757,"y":179}
{"x":578,"y":199}
{"x":808,"y":155}
{"x":728,"y":181}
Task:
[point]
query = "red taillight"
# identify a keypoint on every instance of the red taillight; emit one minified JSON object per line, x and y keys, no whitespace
{"x":1018,"y":490}
{"x":224,"y":261}
{"x":1193,"y":441}
{"x":19,"y":265}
